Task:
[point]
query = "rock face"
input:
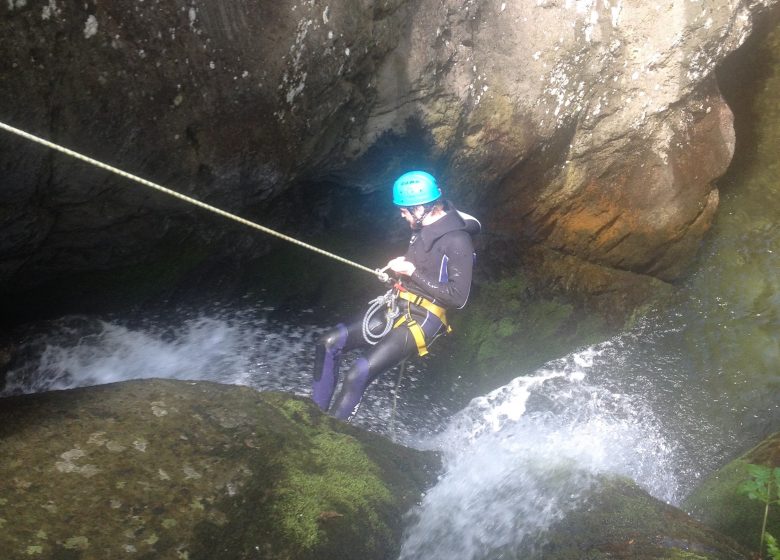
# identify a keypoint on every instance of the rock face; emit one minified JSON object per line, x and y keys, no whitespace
{"x":591,"y":129}
{"x":165,"y":469}
{"x":595,"y":129}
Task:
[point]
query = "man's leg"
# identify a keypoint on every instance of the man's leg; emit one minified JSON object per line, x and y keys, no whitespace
{"x":327,"y":357}
{"x":395,"y":347}
{"x":326,"y":365}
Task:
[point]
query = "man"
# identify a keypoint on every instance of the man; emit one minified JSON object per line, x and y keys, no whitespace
{"x":435,"y":276}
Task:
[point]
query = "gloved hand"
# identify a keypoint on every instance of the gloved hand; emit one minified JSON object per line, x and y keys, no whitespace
{"x":400,"y":265}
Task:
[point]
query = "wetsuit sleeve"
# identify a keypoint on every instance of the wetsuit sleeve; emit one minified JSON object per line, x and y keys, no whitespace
{"x":451,"y":288}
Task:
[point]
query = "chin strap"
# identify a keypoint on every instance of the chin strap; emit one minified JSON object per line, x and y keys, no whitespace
{"x":418,"y":224}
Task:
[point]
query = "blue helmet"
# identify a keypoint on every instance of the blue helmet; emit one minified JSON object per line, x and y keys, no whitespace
{"x":415,"y":188}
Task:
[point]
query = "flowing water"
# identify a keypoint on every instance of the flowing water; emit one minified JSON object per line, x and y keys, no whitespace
{"x":515,"y":459}
{"x":665,"y":403}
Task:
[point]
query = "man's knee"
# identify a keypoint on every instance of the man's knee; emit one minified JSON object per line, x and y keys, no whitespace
{"x":334,"y":339}
{"x":358,"y":374}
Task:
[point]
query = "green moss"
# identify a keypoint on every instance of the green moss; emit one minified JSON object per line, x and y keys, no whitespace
{"x":293,"y":409}
{"x":335,"y":479}
{"x":738,"y":284}
{"x":323,"y":494}
{"x":620,"y":520}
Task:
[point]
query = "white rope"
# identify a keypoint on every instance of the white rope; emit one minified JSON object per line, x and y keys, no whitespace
{"x":378,"y":273}
{"x":388,"y":301}
{"x":395,"y":399}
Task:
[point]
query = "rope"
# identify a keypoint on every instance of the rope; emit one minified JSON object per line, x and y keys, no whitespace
{"x":395,"y":399}
{"x":375,"y":305}
{"x":378,"y":273}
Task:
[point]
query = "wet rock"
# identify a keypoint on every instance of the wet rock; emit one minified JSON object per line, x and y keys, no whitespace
{"x":743,"y":251}
{"x":593,"y":130}
{"x":169,"y":469}
{"x":619,"y":520}
{"x":718,"y":502}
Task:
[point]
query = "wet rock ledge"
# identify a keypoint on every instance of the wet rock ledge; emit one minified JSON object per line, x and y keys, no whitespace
{"x":170,"y":469}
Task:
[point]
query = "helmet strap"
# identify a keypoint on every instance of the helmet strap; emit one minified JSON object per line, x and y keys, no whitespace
{"x":418,"y":222}
{"x":425,"y":215}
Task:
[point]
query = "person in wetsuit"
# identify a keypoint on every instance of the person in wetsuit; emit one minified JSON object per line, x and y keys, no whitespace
{"x":435,"y":276}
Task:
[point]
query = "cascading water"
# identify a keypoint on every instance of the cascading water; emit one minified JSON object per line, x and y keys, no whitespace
{"x":81,"y":351}
{"x":239,"y":347}
{"x":519,"y":458}
{"x":515,"y":460}
{"x":663,"y":404}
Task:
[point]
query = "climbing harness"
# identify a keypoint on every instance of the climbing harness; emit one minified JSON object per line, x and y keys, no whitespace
{"x":379,"y":273}
{"x":412,"y":325}
{"x":389,"y":301}
{"x":428,"y":305}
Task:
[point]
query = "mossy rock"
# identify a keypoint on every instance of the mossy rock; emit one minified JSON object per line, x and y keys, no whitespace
{"x":718,"y":502}
{"x":511,"y":327}
{"x":619,"y":520}
{"x":552,"y":305}
{"x":172,"y":469}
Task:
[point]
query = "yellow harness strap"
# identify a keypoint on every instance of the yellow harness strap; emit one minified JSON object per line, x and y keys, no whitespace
{"x":428,"y":305}
{"x":414,"y":327}
{"x":417,"y":333}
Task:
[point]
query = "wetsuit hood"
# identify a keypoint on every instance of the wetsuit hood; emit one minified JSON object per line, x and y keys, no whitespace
{"x":453,"y":220}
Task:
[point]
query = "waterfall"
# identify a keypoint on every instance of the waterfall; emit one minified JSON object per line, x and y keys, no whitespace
{"x":515,"y":460}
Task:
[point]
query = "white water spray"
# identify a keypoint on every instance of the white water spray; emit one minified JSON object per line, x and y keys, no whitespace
{"x":515,"y":460}
{"x":79,"y":352}
{"x":519,"y":458}
{"x":228,"y":346}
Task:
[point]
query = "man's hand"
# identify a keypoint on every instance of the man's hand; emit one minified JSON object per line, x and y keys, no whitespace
{"x":400,"y":265}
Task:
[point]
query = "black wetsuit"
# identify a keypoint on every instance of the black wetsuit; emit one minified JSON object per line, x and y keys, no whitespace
{"x":443,"y":256}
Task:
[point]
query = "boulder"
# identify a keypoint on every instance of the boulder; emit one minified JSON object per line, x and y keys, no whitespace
{"x":619,"y":520}
{"x":167,"y":469}
{"x":719,"y":503}
{"x":592,"y":128}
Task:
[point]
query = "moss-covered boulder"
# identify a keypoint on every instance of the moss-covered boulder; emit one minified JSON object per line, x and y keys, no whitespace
{"x":166,"y":469}
{"x":620,"y":520}
{"x":511,"y":327}
{"x":719,"y":503}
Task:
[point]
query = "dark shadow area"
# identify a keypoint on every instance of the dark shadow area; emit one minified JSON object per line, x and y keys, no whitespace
{"x":742,"y":78}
